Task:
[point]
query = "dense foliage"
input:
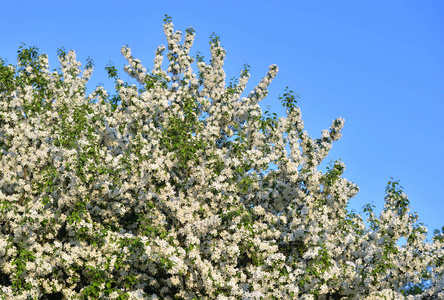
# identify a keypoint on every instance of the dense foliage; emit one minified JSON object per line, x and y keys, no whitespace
{"x":165,"y":191}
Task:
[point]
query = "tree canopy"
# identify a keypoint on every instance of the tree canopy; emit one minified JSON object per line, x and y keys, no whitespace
{"x":164,"y":191}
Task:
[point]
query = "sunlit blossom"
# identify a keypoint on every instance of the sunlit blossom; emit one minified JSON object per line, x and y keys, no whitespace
{"x":172,"y":191}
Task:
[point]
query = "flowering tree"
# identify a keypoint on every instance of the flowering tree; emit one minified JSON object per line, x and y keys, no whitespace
{"x":164,"y":191}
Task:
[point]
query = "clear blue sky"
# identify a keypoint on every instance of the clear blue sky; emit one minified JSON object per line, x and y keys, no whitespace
{"x":378,"y":64}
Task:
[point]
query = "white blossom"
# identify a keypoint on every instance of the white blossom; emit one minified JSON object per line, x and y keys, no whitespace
{"x":172,"y":192}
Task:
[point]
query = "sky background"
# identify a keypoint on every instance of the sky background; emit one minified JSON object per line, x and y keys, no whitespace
{"x":377,"y":64}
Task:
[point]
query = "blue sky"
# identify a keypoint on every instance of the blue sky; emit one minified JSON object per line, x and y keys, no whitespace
{"x":377,"y":64}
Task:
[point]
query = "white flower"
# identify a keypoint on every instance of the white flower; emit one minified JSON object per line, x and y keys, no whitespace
{"x":144,"y":190}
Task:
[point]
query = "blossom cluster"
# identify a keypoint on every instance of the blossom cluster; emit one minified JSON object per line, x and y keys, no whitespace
{"x":169,"y":194}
